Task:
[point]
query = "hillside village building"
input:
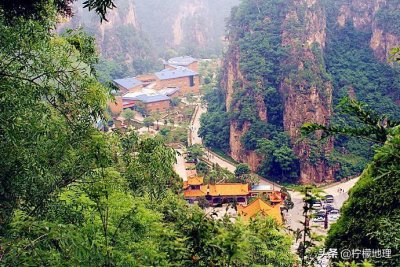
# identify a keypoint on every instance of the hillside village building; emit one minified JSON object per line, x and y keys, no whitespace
{"x":128,"y":85}
{"x":178,"y":78}
{"x":187,"y":80}
{"x":150,"y":102}
{"x":185,"y":61}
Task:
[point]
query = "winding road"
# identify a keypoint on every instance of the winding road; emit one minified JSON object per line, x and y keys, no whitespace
{"x":194,"y":138}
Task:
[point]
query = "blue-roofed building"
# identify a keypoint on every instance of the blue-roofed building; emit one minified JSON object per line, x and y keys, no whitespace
{"x":151,"y":102}
{"x":170,"y":91}
{"x":180,"y":72}
{"x":152,"y":98}
{"x":128,"y":85}
{"x":187,"y":80}
{"x":184,"y":61}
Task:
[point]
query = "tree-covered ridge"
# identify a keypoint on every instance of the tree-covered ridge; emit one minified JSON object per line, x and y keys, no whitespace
{"x":347,"y":62}
{"x":50,"y":100}
{"x":124,"y":48}
{"x":255,"y":28}
{"x":356,"y":73}
{"x":371,"y":217}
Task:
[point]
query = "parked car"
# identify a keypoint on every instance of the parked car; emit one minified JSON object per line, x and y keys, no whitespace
{"x":321,"y":213}
{"x":329,"y":199}
{"x":333,"y":215}
{"x":329,"y":207}
{"x":319,"y":219}
{"x":317,"y":204}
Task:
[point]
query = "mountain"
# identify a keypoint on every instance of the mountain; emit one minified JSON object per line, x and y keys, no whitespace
{"x":139,"y":32}
{"x":289,"y":62}
{"x":120,"y":38}
{"x":195,"y":27}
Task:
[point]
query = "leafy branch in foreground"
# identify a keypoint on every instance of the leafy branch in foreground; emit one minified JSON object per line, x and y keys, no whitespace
{"x":35,"y":9}
{"x":368,"y":124}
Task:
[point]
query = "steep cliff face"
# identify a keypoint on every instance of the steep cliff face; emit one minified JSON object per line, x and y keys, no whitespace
{"x":375,"y":16}
{"x":234,"y":82}
{"x":298,"y":30}
{"x":122,"y":19}
{"x":307,"y":94}
{"x":183,"y":26}
{"x":187,"y":25}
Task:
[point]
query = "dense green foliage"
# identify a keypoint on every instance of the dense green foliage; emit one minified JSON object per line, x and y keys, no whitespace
{"x":261,"y":54}
{"x":355,"y":72}
{"x":370,"y":218}
{"x":279,"y":162}
{"x":242,"y":169}
{"x":46,"y":88}
{"x":214,"y":124}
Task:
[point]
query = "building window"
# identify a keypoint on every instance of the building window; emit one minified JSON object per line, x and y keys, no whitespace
{"x":191,"y":81}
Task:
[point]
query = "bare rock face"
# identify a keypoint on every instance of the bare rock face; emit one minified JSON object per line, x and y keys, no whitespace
{"x":364,"y":15}
{"x":188,"y":10}
{"x":383,"y":42}
{"x":192,"y":26}
{"x":305,"y":100}
{"x":233,"y":81}
{"x":108,"y":41}
{"x":231,"y":75}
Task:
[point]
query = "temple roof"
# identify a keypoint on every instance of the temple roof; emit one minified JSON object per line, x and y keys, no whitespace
{"x":259,"y":206}
{"x":228,"y":189}
{"x":276,"y":197}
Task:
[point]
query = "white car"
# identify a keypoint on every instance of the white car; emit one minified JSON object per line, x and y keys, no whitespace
{"x":333,"y":215}
{"x":317,"y":204}
{"x":318,"y":219}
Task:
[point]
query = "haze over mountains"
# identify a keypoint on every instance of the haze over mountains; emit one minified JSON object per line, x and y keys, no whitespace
{"x":139,"y":32}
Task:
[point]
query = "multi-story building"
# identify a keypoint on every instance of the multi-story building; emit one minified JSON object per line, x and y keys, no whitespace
{"x":187,"y":80}
{"x":185,"y":61}
{"x":128,"y":85}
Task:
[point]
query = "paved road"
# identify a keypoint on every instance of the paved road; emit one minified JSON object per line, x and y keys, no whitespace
{"x":179,"y":167}
{"x":295,"y":215}
{"x":196,"y":139}
{"x":212,"y":157}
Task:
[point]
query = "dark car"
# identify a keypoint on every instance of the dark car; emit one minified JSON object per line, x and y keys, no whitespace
{"x":329,"y":207}
{"x":329,"y":199}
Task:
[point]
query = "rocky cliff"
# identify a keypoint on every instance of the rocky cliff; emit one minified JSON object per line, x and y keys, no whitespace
{"x":182,"y":26}
{"x":298,"y":30}
{"x":376,"y":16}
{"x":109,"y":34}
{"x":307,"y":94}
